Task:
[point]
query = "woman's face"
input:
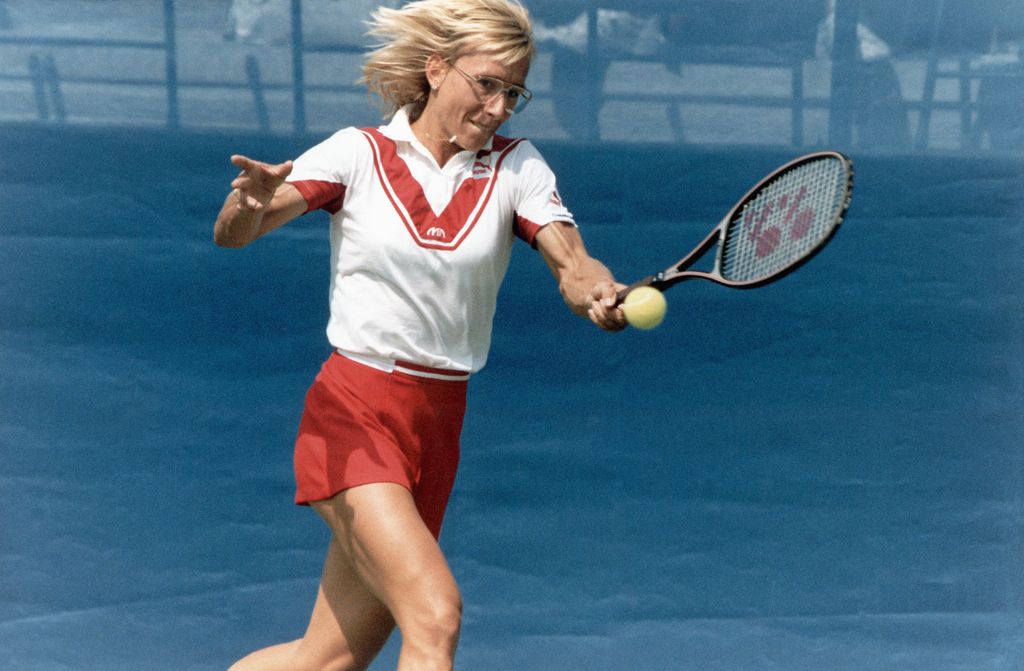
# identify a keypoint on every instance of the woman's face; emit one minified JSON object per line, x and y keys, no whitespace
{"x":461,"y":106}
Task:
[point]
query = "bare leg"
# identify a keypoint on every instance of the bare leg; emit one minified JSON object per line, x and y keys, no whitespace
{"x":380,"y":531}
{"x":268,"y":659}
{"x":348,"y":627}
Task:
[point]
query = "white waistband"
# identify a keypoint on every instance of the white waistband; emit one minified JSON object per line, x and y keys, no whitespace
{"x":408,"y":368}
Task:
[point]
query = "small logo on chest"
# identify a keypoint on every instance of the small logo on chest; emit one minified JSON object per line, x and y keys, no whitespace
{"x":447,"y":230}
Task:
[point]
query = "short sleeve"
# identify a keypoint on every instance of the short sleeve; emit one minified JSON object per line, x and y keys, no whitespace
{"x":539,"y":202}
{"x":323,"y":172}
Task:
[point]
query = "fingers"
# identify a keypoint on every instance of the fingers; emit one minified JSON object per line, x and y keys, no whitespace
{"x":604,"y":310}
{"x":259,"y":171}
{"x":255,"y":184}
{"x":245,"y":201}
{"x":242,"y":162}
{"x":282,"y":170}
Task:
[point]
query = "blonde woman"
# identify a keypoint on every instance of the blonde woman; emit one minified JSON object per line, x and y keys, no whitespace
{"x":424,"y":211}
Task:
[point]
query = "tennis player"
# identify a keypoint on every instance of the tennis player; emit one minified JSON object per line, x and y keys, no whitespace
{"x":424,"y":212}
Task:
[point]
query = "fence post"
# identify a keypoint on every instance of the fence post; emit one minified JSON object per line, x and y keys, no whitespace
{"x":171,"y":52}
{"x":38,"y":76}
{"x":797,"y":110}
{"x":924,"y":119}
{"x":594,"y":75}
{"x":52,"y":79}
{"x":252,"y":74}
{"x":845,"y":59}
{"x":5,"y":16}
{"x":298,"y":74}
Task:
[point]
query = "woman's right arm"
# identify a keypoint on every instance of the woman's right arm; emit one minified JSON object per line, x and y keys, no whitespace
{"x":259,"y":202}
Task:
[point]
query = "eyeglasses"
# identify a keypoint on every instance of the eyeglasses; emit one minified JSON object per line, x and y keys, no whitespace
{"x":488,"y":88}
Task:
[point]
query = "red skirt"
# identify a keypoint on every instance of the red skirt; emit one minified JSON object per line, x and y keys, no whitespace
{"x":362,"y":425}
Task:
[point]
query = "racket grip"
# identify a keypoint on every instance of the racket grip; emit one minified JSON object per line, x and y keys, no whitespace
{"x":650,"y":280}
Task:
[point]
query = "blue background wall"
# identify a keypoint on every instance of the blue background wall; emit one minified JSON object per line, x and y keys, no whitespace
{"x":821,"y":474}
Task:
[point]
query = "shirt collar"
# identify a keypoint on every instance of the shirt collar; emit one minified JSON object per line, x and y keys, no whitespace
{"x":399,"y":129}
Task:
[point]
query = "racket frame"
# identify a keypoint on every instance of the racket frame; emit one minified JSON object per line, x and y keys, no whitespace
{"x":680,"y":272}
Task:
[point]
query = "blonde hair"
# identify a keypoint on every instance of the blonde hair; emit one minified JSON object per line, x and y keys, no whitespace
{"x":395,"y":69}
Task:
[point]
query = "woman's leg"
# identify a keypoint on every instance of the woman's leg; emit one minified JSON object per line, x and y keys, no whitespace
{"x":379,"y":530}
{"x":348,"y":627}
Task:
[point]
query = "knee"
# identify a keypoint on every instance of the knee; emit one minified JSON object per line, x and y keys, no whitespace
{"x":441,"y":620}
{"x":447,"y":615}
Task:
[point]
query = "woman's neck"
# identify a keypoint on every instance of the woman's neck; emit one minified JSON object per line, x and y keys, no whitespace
{"x":433,"y":135}
{"x":440,"y":147}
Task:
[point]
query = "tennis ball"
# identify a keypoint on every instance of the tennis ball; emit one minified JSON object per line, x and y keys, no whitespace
{"x":644,"y":307}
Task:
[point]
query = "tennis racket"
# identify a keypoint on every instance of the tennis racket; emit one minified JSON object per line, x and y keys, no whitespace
{"x":787,"y":218}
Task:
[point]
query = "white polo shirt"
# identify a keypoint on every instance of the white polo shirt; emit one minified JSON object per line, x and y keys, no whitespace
{"x":418,"y":251}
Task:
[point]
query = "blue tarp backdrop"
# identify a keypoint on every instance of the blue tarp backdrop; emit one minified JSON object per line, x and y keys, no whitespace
{"x":823,"y":474}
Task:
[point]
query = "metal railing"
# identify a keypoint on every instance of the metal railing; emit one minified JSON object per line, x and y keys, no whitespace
{"x":47,"y":82}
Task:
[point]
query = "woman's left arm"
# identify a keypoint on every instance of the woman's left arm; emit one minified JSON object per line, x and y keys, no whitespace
{"x":587,"y":286}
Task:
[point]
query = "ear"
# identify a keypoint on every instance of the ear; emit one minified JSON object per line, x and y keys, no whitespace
{"x":435,"y":69}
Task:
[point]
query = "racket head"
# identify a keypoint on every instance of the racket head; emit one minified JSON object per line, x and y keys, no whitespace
{"x":783,"y":221}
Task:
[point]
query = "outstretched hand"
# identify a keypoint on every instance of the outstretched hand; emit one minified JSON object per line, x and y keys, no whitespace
{"x":255,"y":185}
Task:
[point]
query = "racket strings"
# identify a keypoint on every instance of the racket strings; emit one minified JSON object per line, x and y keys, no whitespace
{"x":788,"y":218}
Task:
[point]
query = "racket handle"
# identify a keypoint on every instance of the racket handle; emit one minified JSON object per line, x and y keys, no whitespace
{"x":656,"y":281}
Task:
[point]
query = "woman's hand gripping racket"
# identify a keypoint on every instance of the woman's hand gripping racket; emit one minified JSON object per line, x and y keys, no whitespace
{"x":787,"y":218}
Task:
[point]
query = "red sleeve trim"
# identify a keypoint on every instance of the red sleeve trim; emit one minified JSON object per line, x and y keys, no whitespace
{"x":321,"y":195}
{"x":526,"y":230}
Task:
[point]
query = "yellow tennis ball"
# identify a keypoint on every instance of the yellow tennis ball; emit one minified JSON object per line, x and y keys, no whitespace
{"x":644,"y":307}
